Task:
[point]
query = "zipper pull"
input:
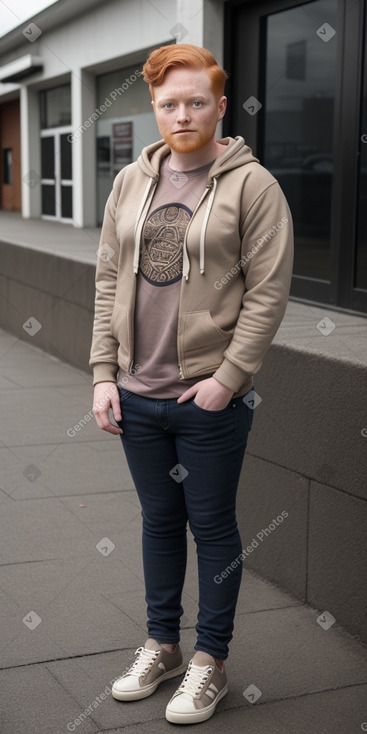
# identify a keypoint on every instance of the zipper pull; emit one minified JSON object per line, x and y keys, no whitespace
{"x":180,"y":371}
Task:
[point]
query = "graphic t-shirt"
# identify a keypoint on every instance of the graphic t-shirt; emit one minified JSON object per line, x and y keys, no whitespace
{"x":159,"y":284}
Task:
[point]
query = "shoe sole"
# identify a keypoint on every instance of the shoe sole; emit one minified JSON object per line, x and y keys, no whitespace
{"x":146,"y":691}
{"x":195,"y":716}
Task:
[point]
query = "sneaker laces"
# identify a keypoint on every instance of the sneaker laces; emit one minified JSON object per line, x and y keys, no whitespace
{"x":143,"y":662}
{"x":195,"y":678}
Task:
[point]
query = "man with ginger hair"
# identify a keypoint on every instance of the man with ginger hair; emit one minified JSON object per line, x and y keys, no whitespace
{"x":176,"y":343}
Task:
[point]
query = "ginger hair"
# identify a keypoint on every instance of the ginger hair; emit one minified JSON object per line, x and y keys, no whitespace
{"x":185,"y":56}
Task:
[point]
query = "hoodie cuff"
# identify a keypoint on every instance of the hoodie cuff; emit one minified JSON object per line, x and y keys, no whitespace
{"x":231,"y":376}
{"x":105,"y":372}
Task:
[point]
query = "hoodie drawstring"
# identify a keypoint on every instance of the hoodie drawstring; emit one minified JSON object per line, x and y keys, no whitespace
{"x":186,"y":261}
{"x":140,"y":219}
{"x":204,"y":226}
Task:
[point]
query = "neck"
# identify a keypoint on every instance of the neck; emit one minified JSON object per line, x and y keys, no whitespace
{"x":198,"y":158}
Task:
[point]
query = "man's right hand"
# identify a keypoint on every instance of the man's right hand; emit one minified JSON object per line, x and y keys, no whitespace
{"x":106,"y":396}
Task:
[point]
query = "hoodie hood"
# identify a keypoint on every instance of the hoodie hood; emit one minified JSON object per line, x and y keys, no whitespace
{"x":237,"y":154}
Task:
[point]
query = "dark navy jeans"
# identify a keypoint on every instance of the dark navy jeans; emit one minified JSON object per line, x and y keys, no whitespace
{"x":185,"y":462}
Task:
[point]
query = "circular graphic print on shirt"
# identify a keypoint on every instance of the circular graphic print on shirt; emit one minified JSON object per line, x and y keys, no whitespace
{"x":163,"y":237}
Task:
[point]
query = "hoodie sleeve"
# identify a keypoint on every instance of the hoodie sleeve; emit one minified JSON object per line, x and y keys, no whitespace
{"x":267,"y":260}
{"x":103,"y":355}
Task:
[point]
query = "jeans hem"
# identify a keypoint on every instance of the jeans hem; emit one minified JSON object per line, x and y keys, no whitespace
{"x":215,"y":655}
{"x":165,"y":640}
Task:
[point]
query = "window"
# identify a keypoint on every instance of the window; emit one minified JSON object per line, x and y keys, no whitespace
{"x":125,"y":126}
{"x":56,"y":106}
{"x":8,"y":166}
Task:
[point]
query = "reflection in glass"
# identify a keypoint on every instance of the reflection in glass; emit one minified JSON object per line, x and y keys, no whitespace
{"x":299,"y":106}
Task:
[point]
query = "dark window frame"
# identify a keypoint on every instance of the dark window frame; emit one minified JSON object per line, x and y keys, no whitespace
{"x":251,"y":54}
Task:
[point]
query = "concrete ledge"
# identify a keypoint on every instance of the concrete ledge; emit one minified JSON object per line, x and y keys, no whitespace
{"x":55,"y":290}
{"x":307,"y":455}
{"x":307,"y":450}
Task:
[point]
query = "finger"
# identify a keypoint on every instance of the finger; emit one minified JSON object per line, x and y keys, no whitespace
{"x":116,"y":408}
{"x":105,"y":424}
{"x":103,"y":421}
{"x":188,"y":394}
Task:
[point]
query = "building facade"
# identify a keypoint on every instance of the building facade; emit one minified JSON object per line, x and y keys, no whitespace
{"x":74,"y":110}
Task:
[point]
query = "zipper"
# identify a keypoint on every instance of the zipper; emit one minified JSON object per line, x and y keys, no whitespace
{"x":140,"y":223}
{"x":207,"y":189}
{"x":131,"y":327}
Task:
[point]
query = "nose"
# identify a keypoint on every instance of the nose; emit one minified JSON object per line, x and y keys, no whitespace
{"x":183,"y":114}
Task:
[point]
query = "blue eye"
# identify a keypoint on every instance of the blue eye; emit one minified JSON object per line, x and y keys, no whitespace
{"x":197,"y":103}
{"x":168,"y":105}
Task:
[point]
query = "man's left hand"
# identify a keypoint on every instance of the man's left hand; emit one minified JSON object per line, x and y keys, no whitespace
{"x":210,"y":394}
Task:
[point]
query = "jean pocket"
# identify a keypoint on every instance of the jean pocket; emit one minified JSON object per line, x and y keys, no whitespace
{"x":211,"y":412}
{"x":124,"y":394}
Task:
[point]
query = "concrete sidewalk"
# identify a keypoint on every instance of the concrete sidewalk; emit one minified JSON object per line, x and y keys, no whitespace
{"x":72,"y":615}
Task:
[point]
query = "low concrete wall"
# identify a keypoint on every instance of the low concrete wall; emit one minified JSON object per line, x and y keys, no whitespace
{"x":307,"y":457}
{"x":56,"y":291}
{"x":306,"y":454}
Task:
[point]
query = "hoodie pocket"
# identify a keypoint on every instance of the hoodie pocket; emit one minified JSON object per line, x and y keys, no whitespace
{"x":201,"y":333}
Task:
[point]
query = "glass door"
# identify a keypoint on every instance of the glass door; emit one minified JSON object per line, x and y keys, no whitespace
{"x":56,"y":174}
{"x":295,"y":94}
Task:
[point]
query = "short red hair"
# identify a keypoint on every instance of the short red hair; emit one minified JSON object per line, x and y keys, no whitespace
{"x":186,"y":56}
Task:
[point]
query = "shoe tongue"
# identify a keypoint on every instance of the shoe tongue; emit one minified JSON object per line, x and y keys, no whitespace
{"x":152,"y":644}
{"x":202,"y":658}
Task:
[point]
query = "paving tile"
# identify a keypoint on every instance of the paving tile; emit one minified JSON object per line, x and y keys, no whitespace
{"x":46,"y":420}
{"x":33,"y":701}
{"x":68,"y":468}
{"x":330,"y":712}
{"x":58,"y":528}
{"x":59,"y":609}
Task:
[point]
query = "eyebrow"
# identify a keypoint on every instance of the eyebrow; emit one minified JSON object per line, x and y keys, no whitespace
{"x":172,"y":97}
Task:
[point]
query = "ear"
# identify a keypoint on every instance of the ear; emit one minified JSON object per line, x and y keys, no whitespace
{"x":222,"y":106}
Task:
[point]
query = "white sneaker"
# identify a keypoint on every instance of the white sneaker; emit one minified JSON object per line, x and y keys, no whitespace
{"x":202,"y":687}
{"x":152,"y":665}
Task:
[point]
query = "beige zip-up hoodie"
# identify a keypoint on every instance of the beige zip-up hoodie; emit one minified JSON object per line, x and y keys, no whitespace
{"x":237,"y":267}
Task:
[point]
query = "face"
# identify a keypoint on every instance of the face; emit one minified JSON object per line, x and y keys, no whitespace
{"x":186,"y":110}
